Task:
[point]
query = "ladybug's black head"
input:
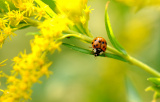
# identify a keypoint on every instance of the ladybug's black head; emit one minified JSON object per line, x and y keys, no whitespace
{"x":98,"y":52}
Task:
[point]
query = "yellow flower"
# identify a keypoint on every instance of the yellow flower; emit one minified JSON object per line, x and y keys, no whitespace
{"x":52,"y":28}
{"x":41,"y":42}
{"x":72,"y":8}
{"x":40,"y":12}
{"x":2,"y":23}
{"x":25,"y":5}
{"x":12,"y":88}
{"x":16,"y":59}
{"x":53,"y":46}
{"x":12,"y":79}
{"x":87,"y":10}
{"x":44,"y":69}
{"x":36,"y":50}
{"x":83,"y":20}
{"x":23,"y":86}
{"x":2,"y":38}
{"x":8,"y":31}
{"x":15,"y":17}
{"x":10,"y":15}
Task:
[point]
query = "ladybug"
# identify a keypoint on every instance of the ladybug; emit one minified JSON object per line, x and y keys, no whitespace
{"x":99,"y":45}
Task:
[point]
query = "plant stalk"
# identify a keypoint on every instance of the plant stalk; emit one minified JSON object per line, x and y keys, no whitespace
{"x":135,"y":62}
{"x":129,"y":58}
{"x":143,"y":66}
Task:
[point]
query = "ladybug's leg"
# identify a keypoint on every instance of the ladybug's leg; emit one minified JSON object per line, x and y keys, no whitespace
{"x":104,"y":54}
{"x":92,"y":51}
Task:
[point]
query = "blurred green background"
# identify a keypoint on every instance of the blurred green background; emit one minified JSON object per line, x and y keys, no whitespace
{"x":78,"y":77}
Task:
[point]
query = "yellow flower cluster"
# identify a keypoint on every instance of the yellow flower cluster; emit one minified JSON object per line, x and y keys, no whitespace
{"x":24,"y":5}
{"x":73,"y":8}
{"x":76,"y":10}
{"x":54,"y":26}
{"x":28,"y":68}
{"x":10,"y":21}
{"x":85,"y":15}
{"x":5,"y":31}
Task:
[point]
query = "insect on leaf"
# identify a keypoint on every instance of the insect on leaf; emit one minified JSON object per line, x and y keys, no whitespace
{"x":86,"y":51}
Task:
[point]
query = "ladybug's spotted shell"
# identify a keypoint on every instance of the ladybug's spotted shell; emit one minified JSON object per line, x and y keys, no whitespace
{"x":99,"y":43}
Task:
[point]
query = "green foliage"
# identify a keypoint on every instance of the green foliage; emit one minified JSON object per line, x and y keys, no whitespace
{"x":110,"y":34}
{"x":50,"y":3}
{"x":86,"y":51}
{"x":155,"y":87}
{"x":155,"y":81}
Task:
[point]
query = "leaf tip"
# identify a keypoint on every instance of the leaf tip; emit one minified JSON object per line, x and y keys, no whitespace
{"x":107,"y":5}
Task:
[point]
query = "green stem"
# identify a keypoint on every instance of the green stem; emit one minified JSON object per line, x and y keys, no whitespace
{"x":129,"y":58}
{"x":113,"y":50}
{"x":87,"y":30}
{"x":78,"y":35}
{"x":84,"y":29}
{"x":80,"y":29}
{"x":142,"y":66}
{"x":32,"y":22}
{"x":29,"y":22}
{"x":135,"y":62}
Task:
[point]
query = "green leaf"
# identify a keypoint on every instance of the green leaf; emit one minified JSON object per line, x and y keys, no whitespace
{"x":50,"y":3}
{"x":132,"y":93}
{"x":25,"y":27}
{"x":86,"y":51}
{"x":110,"y":34}
{"x":22,"y":25}
{"x":155,"y":87}
{"x":33,"y":33}
{"x":155,"y":81}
